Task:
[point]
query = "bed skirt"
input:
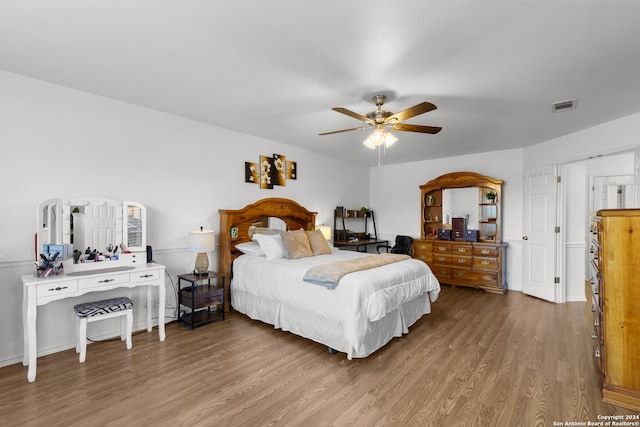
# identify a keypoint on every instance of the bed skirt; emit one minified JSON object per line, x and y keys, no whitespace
{"x":329,"y":331}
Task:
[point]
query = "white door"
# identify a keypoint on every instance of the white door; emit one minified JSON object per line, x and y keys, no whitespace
{"x":540,"y":237}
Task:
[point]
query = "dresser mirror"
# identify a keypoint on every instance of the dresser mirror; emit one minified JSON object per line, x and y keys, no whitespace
{"x":466,"y":198}
{"x":460,"y":203}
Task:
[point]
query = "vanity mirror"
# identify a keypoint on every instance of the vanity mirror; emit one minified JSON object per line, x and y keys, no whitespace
{"x":92,"y":222}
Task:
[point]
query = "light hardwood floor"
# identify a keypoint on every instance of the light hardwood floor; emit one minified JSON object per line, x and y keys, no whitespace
{"x":477,"y":360}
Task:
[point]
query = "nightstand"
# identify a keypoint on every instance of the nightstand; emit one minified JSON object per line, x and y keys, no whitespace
{"x":203,"y":299}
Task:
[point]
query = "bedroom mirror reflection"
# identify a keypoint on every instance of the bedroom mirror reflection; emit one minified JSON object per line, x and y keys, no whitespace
{"x":91,"y":222}
{"x":460,"y":203}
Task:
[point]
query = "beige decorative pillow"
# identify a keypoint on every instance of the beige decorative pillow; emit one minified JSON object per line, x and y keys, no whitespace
{"x":318,"y":243}
{"x":296,"y":244}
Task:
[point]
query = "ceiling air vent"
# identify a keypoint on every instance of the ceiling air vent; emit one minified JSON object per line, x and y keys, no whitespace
{"x":564,"y":105}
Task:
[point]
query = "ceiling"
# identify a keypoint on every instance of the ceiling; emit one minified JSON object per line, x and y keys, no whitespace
{"x":275,"y":68}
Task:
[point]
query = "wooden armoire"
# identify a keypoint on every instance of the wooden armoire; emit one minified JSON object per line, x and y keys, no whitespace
{"x":616,"y":305}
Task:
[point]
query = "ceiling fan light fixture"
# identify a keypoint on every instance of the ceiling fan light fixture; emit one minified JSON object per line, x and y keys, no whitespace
{"x":379,"y":137}
{"x":369,"y":143}
{"x":389,"y":139}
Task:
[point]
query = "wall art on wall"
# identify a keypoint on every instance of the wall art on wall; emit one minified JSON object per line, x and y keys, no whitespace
{"x":292,"y":170}
{"x":270,"y":171}
{"x":265,"y":172}
{"x":279,"y":170}
{"x":250,"y":172}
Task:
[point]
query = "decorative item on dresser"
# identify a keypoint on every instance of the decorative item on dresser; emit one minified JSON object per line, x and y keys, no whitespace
{"x":468,"y":251}
{"x":616,"y":294}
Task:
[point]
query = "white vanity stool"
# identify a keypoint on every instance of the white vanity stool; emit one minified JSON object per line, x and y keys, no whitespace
{"x":99,"y":310}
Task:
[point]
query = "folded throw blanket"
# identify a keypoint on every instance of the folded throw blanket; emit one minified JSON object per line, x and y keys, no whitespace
{"x":328,"y":275}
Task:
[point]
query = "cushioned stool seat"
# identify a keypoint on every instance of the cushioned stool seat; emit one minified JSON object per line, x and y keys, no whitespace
{"x":99,"y":310}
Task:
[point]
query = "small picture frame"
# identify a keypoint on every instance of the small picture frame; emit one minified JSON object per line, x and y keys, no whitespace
{"x":234,"y":232}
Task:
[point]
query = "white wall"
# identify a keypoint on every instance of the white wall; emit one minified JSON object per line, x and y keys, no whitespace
{"x":58,"y":142}
{"x":395,"y":196}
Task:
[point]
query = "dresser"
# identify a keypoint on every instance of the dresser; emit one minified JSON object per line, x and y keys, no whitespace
{"x":471,"y":264}
{"x":461,"y":229}
{"x":616,"y":305}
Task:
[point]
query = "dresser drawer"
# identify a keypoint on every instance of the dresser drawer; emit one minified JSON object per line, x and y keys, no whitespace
{"x":459,"y":249}
{"x":485,"y":251}
{"x":490,"y":264}
{"x":442,"y":273}
{"x":420,"y":246}
{"x":424,"y":256}
{"x":144,"y":276}
{"x":96,"y":282}
{"x":442,"y":248}
{"x":56,"y":288}
{"x":476,"y":277}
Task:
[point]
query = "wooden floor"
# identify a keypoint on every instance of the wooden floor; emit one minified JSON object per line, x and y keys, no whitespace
{"x":477,"y":360}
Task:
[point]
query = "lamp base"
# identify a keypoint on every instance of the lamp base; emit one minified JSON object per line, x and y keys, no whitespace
{"x":202,"y":263}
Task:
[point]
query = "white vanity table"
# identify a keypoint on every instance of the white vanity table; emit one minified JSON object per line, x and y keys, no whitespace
{"x":109,"y":223}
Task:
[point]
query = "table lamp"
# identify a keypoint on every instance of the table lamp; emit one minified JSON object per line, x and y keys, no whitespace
{"x":325,"y":230}
{"x":201,"y":242}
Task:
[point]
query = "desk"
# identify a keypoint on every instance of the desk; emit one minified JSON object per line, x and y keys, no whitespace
{"x":361,"y":243}
{"x":41,"y":291}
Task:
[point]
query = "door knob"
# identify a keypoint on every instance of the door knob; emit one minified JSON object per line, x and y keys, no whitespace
{"x":525,"y":237}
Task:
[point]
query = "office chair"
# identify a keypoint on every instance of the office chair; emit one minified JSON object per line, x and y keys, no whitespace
{"x":402,"y":246}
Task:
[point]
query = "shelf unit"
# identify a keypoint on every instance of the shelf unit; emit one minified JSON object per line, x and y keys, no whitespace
{"x":342,"y":215}
{"x":202,"y":299}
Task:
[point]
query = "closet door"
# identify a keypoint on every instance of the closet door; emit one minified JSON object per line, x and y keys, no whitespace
{"x":540,"y":238}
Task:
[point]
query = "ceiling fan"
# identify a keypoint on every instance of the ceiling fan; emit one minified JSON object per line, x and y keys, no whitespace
{"x":381,"y":119}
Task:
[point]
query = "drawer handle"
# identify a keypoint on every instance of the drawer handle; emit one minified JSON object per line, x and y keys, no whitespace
{"x":423,"y":257}
{"x":460,"y":274}
{"x":462,"y":260}
{"x":442,"y":248}
{"x":593,"y":335}
{"x":59,"y":288}
{"x":106,"y":280}
{"x":596,"y":323}
{"x":597,"y":354}
{"x":443,"y":271}
{"x":146,"y":275}
{"x":593,"y":308}
{"x":462,"y":250}
{"x":484,"y":251}
{"x":442,"y":258}
{"x":488,"y":278}
{"x":422,"y":247}
{"x":485,"y":262}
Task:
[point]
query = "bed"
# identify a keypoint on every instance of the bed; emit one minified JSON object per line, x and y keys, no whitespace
{"x":361,"y":314}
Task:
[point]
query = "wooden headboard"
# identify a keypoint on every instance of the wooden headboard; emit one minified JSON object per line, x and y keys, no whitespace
{"x":294,"y":215}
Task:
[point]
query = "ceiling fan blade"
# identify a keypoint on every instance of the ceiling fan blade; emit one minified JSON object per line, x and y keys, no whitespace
{"x":343,"y":130}
{"x":416,"y":110}
{"x":352,"y":114}
{"x":416,"y":128}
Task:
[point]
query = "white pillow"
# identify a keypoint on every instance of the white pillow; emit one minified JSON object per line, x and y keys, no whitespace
{"x":271,"y":244}
{"x":250,"y":248}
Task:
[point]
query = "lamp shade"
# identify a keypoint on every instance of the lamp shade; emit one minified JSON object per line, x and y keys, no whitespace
{"x":202,"y":241}
{"x":325,"y":230}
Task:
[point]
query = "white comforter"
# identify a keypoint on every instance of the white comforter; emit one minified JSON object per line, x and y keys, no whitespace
{"x":360,"y":297}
